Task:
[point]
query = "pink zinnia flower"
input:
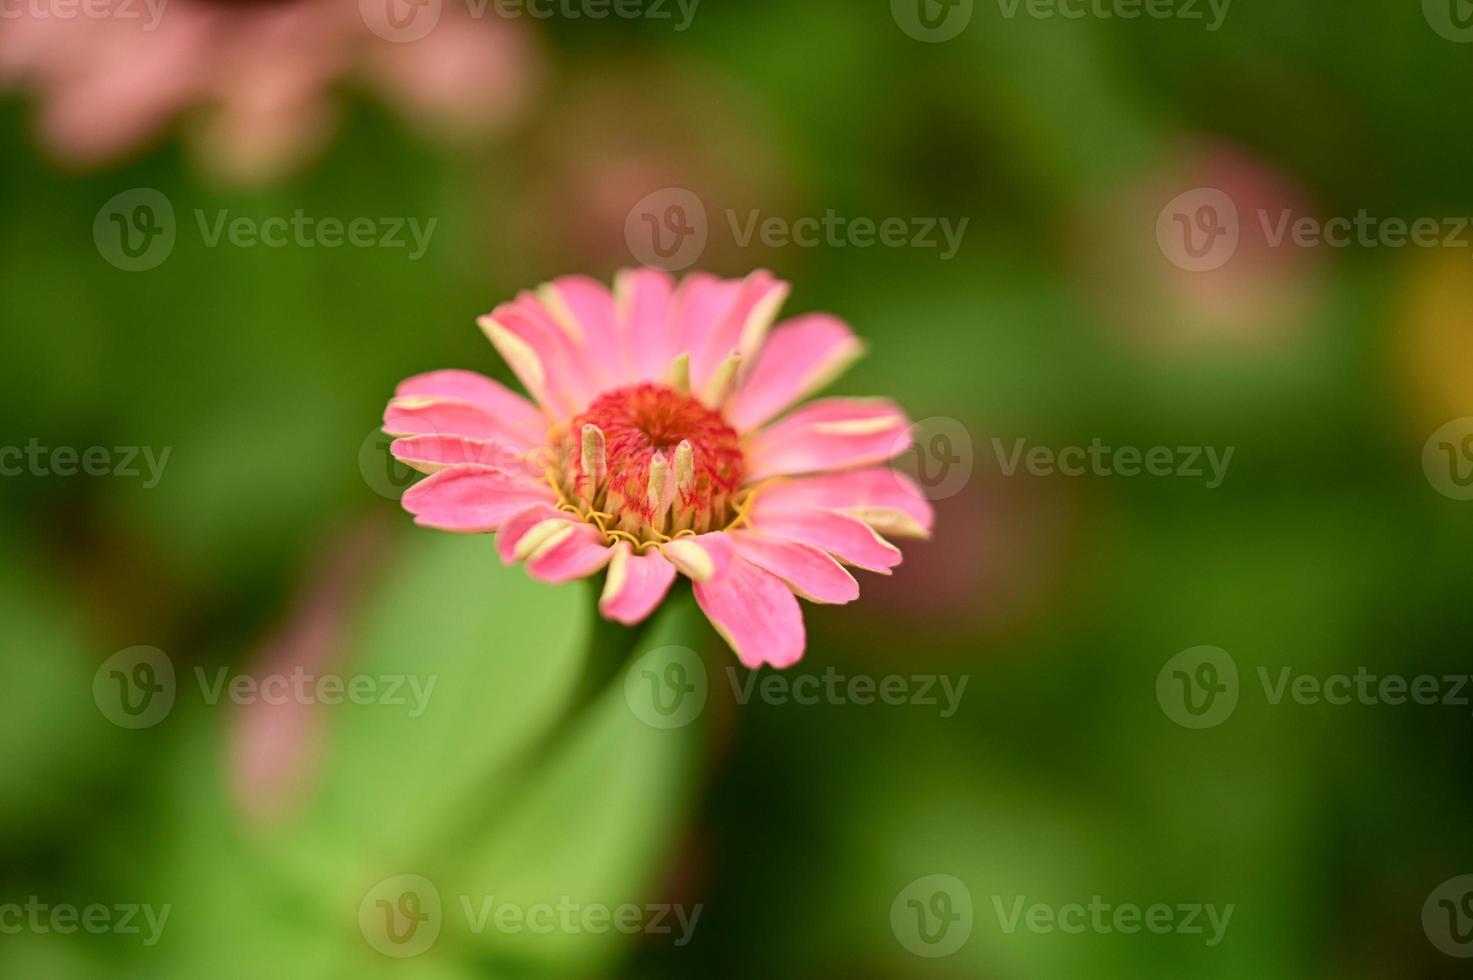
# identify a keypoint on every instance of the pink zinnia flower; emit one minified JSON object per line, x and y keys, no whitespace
{"x":647,"y":450}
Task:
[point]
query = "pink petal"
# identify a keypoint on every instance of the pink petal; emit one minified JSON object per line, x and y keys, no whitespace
{"x":809,"y":572}
{"x":636,"y":584}
{"x":846,"y":538}
{"x":742,"y":328}
{"x":642,"y":300}
{"x":430,"y":454}
{"x":697,"y":309}
{"x":527,"y":526}
{"x":829,"y":435}
{"x":702,"y":556}
{"x":468,"y":386}
{"x":436,"y":416}
{"x":586,"y":307}
{"x":756,"y":614}
{"x":801,"y":356}
{"x":471,"y":499}
{"x":885,"y":499}
{"x":545,"y":357}
{"x":576,"y":552}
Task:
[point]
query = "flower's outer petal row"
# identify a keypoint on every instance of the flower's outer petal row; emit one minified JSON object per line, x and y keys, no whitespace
{"x":755,"y":613}
{"x":803,"y":355}
{"x":510,"y":409}
{"x":847,"y":538}
{"x":420,"y":415}
{"x":585,"y":308}
{"x":430,"y":454}
{"x":525,"y":531}
{"x":808,"y":571}
{"x":636,"y":584}
{"x":831,"y":434}
{"x":699,"y":305}
{"x":741,"y":328}
{"x":547,"y":357}
{"x":471,"y":499}
{"x":575,"y":551}
{"x":885,"y":499}
{"x":701,"y":557}
{"x":642,"y":306}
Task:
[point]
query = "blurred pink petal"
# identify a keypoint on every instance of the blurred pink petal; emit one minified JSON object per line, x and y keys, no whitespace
{"x":254,"y":81}
{"x":274,"y":748}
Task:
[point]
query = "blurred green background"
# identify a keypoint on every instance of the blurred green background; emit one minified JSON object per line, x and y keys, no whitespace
{"x":274,"y":537}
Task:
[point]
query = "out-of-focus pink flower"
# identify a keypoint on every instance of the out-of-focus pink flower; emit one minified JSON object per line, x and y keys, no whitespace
{"x":275,"y":742}
{"x":1180,"y":260}
{"x":649,"y":449}
{"x":256,"y":80}
{"x":640,"y":130}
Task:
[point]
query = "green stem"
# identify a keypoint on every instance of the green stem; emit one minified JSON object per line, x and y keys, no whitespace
{"x":609,"y":648}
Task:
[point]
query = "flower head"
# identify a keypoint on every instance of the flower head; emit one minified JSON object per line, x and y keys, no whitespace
{"x":648,"y":448}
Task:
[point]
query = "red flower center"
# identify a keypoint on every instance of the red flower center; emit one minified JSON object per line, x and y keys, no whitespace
{"x":652,"y":461}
